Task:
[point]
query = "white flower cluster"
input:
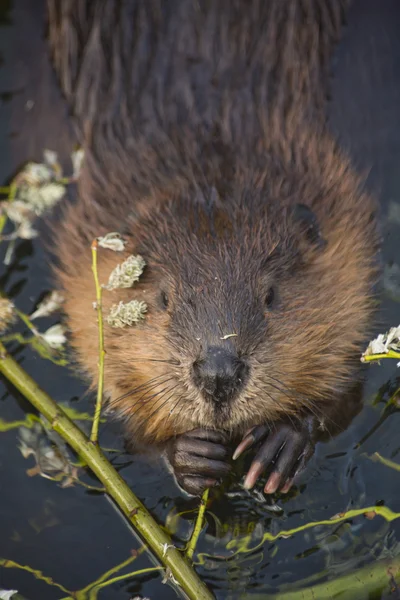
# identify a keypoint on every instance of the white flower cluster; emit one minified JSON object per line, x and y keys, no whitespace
{"x":38,"y":187}
{"x":384,"y":343}
{"x":125,"y":275}
{"x":112,"y":241}
{"x":48,"y":305}
{"x":126,"y":313}
{"x":55,"y":336}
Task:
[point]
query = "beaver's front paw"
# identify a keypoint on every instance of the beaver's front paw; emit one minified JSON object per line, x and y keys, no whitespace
{"x":283,"y":449}
{"x":200,"y":459}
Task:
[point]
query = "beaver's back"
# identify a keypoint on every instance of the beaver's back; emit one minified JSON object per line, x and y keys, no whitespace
{"x":155,"y":84}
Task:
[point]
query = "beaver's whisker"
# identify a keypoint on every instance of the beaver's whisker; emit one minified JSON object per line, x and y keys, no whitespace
{"x":155,"y":360}
{"x":137,"y":406}
{"x":160,"y":394}
{"x":310,"y":405}
{"x":284,"y":389}
{"x":281,"y":389}
{"x":161,"y":406}
{"x":123,"y":412}
{"x":174,"y":407}
{"x":304,"y":400}
{"x":276,"y":401}
{"x":139,"y":387}
{"x":132,"y":412}
{"x":144,"y":386}
{"x":182,"y":407}
{"x":264,"y":391}
{"x":293,"y":397}
{"x":295,"y":394}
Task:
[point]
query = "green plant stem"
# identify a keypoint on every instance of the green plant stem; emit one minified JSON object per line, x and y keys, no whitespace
{"x":11,"y":192}
{"x":26,"y":320}
{"x":373,"y":357}
{"x":99,"y":400}
{"x":116,"y":487}
{"x":385,"y":461}
{"x":368,"y":582}
{"x":198,"y":525}
{"x":93,"y":594}
{"x":108,"y":574}
{"x":38,"y":343}
{"x":10,"y":564}
{"x":244,"y":545}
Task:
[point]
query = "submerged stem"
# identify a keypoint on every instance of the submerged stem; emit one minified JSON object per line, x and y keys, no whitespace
{"x":198,"y":525}
{"x":93,"y":594}
{"x":370,"y":581}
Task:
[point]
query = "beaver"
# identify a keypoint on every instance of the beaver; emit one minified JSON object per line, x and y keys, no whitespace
{"x":206,"y":146}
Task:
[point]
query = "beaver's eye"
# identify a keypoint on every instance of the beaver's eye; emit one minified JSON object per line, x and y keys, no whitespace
{"x":270,"y":297}
{"x":164,"y":300}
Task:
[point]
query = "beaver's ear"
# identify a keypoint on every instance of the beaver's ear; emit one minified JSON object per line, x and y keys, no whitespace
{"x":306,"y":223}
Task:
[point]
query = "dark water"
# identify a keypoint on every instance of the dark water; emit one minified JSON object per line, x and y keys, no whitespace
{"x":73,"y":535}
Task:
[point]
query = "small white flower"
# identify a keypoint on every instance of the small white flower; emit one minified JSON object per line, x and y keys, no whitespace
{"x":7,"y":314}
{"x":26,"y":232}
{"x":123,"y":315}
{"x":7,"y":594}
{"x":18,"y":212}
{"x":51,"y":159}
{"x":48,"y":305}
{"x":112,"y":241}
{"x":38,"y":199}
{"x":385,"y":342}
{"x":393,"y":337}
{"x":35,"y":174}
{"x":77,"y":159}
{"x":378,"y":346}
{"x":55,"y":336}
{"x":127,"y":273}
{"x":44,"y":197}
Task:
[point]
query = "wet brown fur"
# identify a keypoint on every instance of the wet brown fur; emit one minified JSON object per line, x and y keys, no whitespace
{"x":203,"y":124}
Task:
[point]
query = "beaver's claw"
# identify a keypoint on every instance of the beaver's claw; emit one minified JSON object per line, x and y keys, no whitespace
{"x":200,"y":459}
{"x":283,"y":450}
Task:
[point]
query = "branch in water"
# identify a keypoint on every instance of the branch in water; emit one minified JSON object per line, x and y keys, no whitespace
{"x":116,"y":487}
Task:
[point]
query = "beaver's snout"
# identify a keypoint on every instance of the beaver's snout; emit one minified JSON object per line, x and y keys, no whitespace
{"x":220,"y":375}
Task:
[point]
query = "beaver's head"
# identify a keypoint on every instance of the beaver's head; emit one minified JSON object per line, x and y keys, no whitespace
{"x":251,"y":315}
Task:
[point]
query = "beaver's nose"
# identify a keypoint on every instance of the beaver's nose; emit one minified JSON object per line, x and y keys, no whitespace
{"x":220,"y":375}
